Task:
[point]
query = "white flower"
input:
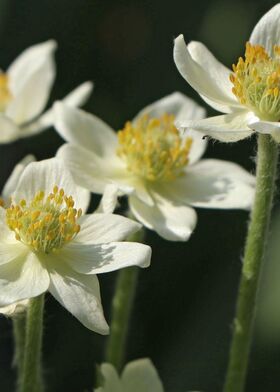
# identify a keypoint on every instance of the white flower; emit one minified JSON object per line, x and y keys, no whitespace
{"x":137,"y":376}
{"x":46,"y":244}
{"x":25,"y":89}
{"x":160,"y":171}
{"x":250,"y":94}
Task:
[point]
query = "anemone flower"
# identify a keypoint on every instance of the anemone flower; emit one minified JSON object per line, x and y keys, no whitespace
{"x":249,"y":94}
{"x":159,"y":169}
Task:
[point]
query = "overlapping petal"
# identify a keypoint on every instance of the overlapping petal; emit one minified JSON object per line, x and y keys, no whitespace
{"x":85,"y":130}
{"x":102,"y":258}
{"x":267,"y":31}
{"x":104,"y":228}
{"x":212,"y":183}
{"x":171,"y":220}
{"x":226,"y":128}
{"x":80,"y":295}
{"x":21,"y":278}
{"x":44,"y":176}
{"x":205,"y":74}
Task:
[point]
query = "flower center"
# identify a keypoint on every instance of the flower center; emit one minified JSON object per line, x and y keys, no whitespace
{"x":153,"y":148}
{"x":47,"y":223}
{"x":5,"y":94}
{"x":256,"y":81}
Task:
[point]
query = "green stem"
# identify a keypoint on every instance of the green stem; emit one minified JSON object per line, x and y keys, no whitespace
{"x":19,"y":322}
{"x":253,"y":257}
{"x":121,"y":310}
{"x":32,"y":371}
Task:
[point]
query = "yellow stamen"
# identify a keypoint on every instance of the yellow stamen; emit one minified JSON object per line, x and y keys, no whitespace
{"x":153,"y":148}
{"x":46,"y":223}
{"x":256,"y":81}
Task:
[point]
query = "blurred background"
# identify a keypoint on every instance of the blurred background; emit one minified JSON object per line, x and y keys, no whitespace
{"x":185,"y":301}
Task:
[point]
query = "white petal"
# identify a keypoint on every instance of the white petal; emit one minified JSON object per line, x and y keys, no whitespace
{"x":103,"y":228}
{"x":9,"y":130}
{"x":267,"y":31}
{"x":44,"y":176}
{"x":15,"y":308}
{"x":77,"y":97}
{"x":112,"y":381}
{"x":93,"y":172}
{"x":205,"y":74}
{"x":173,"y":104}
{"x":213,"y":183}
{"x":266,"y":127}
{"x":28,"y":61}
{"x":172,"y":221}
{"x":11,"y":250}
{"x":84,"y":129}
{"x":22,"y":278}
{"x":141,"y":376}
{"x":31,"y":86}
{"x":80,"y":295}
{"x":109,"y":200}
{"x":12,"y":182}
{"x":102,"y":258}
{"x":226,"y":128}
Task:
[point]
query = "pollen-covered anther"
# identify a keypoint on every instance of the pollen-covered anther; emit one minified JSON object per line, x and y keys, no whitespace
{"x":153,"y":148}
{"x":47,"y":222}
{"x":256,"y":81}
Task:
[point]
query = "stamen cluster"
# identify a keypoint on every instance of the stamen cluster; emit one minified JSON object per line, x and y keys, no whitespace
{"x":256,"y":81}
{"x":153,"y":148}
{"x":47,"y":222}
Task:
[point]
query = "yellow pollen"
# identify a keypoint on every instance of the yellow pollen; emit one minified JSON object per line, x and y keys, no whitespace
{"x":153,"y":148}
{"x":5,"y":94}
{"x":256,"y":81}
{"x":45,"y":223}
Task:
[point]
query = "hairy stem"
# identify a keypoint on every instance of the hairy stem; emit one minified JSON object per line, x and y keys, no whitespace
{"x":254,"y":252}
{"x":32,"y":369}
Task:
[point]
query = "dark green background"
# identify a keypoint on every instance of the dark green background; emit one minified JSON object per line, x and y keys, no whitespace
{"x":185,"y":300}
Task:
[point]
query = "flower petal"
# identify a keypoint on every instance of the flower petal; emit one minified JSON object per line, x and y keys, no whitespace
{"x":112,"y":381}
{"x":213,"y":183}
{"x":102,"y":258}
{"x":9,"y":130}
{"x":44,"y":176}
{"x":22,"y":278}
{"x":174,"y":104}
{"x":77,"y":97}
{"x":80,"y":295}
{"x":266,"y":127}
{"x":12,"y":182}
{"x":28,"y":61}
{"x":109,"y":200}
{"x":267,"y":31}
{"x":205,"y":74}
{"x":104,"y":228}
{"x":226,"y":128}
{"x":84,"y":129}
{"x":141,"y":376}
{"x":31,"y":78}
{"x":95,"y":173}
{"x":172,"y":221}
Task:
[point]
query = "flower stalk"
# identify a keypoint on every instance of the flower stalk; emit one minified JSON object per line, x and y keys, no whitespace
{"x":254,"y":252}
{"x":19,"y":330}
{"x":121,"y":311}
{"x":32,"y":365}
